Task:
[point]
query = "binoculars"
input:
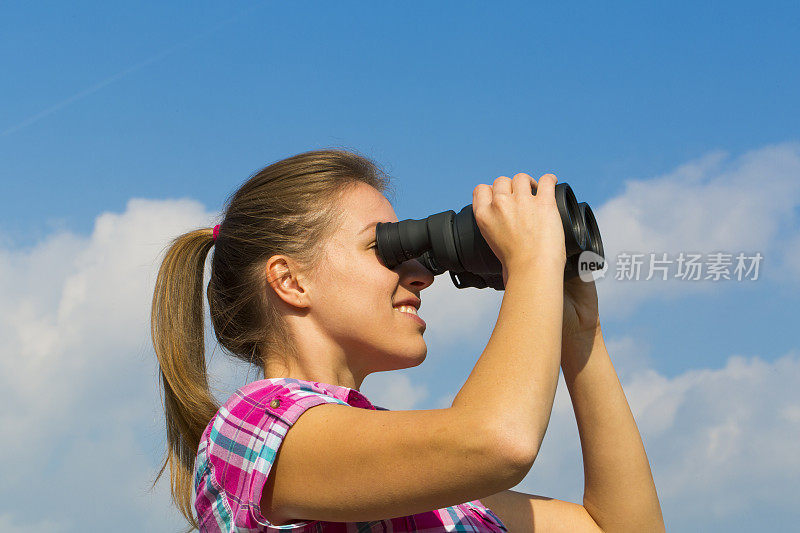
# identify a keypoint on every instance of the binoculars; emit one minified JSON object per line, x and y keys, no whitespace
{"x":452,"y":242}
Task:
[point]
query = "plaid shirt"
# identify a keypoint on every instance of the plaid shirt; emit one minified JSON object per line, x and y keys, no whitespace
{"x":238,"y":448}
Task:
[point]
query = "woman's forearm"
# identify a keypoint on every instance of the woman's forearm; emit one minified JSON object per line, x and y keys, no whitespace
{"x":619,"y":491}
{"x":512,"y":387}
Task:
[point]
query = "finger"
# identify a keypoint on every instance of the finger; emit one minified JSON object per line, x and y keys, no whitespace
{"x":502,"y":185}
{"x":523,"y":184}
{"x":547,"y":187}
{"x":481,"y":196}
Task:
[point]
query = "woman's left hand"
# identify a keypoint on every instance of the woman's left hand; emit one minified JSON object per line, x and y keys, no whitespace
{"x":581,"y":319}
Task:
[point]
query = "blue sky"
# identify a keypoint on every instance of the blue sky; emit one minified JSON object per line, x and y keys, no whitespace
{"x":678,"y":123}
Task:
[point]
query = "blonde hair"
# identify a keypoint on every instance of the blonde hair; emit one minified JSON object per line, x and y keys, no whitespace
{"x":289,"y":207}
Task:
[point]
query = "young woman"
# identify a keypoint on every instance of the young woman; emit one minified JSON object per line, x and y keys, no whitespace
{"x":298,"y":290}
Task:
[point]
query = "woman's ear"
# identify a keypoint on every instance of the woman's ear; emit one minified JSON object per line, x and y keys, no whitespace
{"x":284,"y":277}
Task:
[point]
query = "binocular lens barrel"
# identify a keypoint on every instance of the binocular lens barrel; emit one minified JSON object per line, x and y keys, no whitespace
{"x":574,"y":232}
{"x":594,"y":243}
{"x":453,"y":242}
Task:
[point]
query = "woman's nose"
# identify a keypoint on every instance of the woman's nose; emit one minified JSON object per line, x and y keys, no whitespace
{"x":412,"y":272}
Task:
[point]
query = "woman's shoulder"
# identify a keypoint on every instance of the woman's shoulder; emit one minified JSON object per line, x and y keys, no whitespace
{"x":294,"y":390}
{"x":282,"y":400}
{"x":261,"y":389}
{"x":265,"y":402}
{"x":240,"y":443}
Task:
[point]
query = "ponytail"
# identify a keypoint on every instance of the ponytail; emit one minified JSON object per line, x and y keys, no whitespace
{"x":177,"y":331}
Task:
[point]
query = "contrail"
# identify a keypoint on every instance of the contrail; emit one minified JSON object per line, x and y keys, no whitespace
{"x":108,"y":81}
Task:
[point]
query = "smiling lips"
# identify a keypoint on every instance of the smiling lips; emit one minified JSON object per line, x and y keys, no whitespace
{"x":407,"y":309}
{"x":411,"y":312}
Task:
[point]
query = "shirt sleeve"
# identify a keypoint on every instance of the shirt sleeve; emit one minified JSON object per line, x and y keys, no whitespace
{"x":244,"y":441}
{"x":487,"y":516}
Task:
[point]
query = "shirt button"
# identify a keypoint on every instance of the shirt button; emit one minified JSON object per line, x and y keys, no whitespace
{"x":275,"y":403}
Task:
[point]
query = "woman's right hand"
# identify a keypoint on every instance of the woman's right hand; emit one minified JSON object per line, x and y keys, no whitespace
{"x":520,"y":221}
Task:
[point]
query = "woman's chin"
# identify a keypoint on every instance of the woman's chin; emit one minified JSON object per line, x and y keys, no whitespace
{"x":410,"y":358}
{"x":420,"y":356}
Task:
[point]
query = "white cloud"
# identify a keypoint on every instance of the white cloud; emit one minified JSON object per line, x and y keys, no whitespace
{"x":722,"y":443}
{"x":394,"y":391}
{"x":791,"y":248}
{"x":9,"y":523}
{"x":630,"y":355}
{"x":77,"y":372}
{"x":724,"y":440}
{"x":471,"y":320}
{"x":445,"y":401}
{"x":714,"y":204}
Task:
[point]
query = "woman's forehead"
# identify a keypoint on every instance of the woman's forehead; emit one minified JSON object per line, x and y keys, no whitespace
{"x":366,"y":206}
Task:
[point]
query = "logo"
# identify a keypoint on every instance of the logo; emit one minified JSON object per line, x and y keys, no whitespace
{"x":591,"y":266}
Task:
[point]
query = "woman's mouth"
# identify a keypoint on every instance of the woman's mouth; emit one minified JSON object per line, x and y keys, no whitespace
{"x":411,"y":313}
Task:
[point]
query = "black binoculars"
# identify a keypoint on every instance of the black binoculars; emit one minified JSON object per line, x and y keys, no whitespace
{"x":453,"y":242}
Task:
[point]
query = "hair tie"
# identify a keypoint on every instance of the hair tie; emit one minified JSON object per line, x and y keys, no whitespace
{"x":215,"y":233}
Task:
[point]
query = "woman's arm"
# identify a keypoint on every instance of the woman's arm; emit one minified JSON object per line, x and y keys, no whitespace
{"x":528,"y":513}
{"x":619,"y":492}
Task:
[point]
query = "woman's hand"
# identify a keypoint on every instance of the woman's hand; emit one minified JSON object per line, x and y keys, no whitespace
{"x":581,"y":320}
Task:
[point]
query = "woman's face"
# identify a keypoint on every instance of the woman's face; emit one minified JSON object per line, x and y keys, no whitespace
{"x":353,"y":292}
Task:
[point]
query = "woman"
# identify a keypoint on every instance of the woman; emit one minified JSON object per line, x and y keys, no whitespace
{"x":298,"y":290}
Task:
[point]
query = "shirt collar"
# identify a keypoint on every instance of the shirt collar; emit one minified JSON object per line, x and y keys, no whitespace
{"x":346,"y":394}
{"x":351,"y":396}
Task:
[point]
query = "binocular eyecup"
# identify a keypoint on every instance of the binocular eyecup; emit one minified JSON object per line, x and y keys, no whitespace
{"x":452,"y":242}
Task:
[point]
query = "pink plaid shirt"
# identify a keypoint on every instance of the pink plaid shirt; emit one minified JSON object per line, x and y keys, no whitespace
{"x":239,"y":446}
